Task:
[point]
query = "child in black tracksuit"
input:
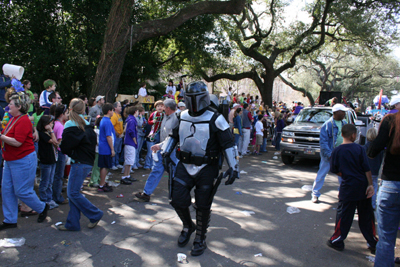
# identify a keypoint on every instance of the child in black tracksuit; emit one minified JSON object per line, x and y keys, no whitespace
{"x":349,"y":161}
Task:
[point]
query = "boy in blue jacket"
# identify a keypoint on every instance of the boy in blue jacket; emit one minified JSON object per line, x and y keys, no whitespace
{"x":350,"y":161}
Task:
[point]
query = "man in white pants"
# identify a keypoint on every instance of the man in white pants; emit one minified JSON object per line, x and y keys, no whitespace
{"x":247,"y":119}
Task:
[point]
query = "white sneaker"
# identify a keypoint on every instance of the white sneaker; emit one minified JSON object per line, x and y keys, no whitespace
{"x":277,"y":153}
{"x":119,"y":166}
{"x":114,"y":168}
{"x":135,"y":168}
{"x":314,"y":199}
{"x":109,"y":174}
{"x":240,"y":157}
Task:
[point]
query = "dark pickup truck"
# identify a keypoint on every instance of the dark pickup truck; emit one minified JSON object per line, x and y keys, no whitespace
{"x":301,"y":138}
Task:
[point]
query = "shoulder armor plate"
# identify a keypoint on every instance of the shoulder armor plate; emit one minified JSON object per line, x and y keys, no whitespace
{"x":221,"y":123}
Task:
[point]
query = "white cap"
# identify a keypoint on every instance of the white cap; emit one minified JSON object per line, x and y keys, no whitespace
{"x":235,"y":105}
{"x":181,"y":104}
{"x":395,"y":100}
{"x":99,"y":97}
{"x":338,"y":107}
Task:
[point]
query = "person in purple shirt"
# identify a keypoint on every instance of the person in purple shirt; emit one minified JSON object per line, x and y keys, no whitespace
{"x":298,"y":108}
{"x":131,"y":143}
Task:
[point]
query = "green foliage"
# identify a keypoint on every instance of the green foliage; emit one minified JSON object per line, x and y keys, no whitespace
{"x":62,"y":40}
{"x":355,"y":71}
{"x":59,"y":40}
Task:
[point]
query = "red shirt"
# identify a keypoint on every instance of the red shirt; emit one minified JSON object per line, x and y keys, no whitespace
{"x":22,"y":132}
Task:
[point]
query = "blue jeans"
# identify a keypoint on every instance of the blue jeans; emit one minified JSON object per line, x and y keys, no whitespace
{"x":375,"y":184}
{"x":46,"y":181}
{"x":157,"y":173}
{"x":117,"y":149}
{"x":1,"y":168}
{"x":140,"y":144}
{"x":264,"y":145}
{"x":18,"y":182}
{"x":324,"y":167}
{"x":77,"y":202}
{"x":388,"y":222}
{"x":36,"y":145}
{"x":149,"y":158}
{"x":278,"y":138}
{"x":273,"y":139}
{"x":59,"y":178}
{"x":237,"y":139}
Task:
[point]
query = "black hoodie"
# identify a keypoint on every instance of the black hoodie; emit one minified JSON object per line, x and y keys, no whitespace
{"x":79,"y":145}
{"x":391,"y":170}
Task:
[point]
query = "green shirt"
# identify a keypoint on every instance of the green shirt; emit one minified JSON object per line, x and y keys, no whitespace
{"x":36,"y":118}
{"x":32,"y":97}
{"x":339,"y":138}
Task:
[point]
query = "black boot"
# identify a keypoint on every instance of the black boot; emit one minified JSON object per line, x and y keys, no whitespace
{"x":4,"y":225}
{"x":188,"y":226}
{"x":202,"y":221}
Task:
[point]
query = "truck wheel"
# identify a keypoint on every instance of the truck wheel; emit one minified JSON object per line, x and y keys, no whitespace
{"x":287,"y":160}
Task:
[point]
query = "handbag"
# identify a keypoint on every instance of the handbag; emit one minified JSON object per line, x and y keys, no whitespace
{"x":236,"y":131}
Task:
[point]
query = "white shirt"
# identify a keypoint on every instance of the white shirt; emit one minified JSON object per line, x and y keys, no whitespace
{"x":142,"y":91}
{"x":259,"y":128}
{"x":228,"y":97}
{"x":170,"y":88}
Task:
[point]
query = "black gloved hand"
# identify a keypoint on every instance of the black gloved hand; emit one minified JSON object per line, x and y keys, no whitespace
{"x":232,"y":175}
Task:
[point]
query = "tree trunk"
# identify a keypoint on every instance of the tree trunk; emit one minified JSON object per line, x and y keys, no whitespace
{"x":114,"y":50}
{"x":117,"y":36}
{"x":266,"y":89}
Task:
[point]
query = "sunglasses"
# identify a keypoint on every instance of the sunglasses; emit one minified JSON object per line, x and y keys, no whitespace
{"x":51,"y":118}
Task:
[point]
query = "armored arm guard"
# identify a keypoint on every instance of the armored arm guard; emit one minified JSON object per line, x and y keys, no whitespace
{"x":168,"y":146}
{"x":231,"y":155}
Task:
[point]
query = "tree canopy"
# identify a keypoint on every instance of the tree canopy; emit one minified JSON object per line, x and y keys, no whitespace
{"x":63,"y":40}
{"x":103,"y":47}
{"x":273,"y":46}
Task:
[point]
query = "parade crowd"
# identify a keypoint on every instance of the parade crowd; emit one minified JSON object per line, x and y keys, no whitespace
{"x":90,"y":137}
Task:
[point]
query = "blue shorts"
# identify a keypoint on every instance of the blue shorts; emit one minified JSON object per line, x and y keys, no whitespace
{"x":105,"y":161}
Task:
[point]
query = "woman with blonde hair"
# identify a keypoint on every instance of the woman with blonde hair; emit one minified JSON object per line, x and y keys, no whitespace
{"x":79,"y":143}
{"x":20,"y":162}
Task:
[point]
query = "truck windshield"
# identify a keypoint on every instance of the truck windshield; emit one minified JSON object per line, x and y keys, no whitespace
{"x":314,"y":115}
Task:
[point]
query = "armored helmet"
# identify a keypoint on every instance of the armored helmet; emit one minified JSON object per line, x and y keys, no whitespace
{"x":197,"y":97}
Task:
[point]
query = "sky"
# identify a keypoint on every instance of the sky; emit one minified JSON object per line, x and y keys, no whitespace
{"x":295,"y":12}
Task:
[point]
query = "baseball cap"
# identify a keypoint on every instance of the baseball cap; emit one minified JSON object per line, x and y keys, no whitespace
{"x":338,"y":107}
{"x":395,"y":100}
{"x":235,"y":105}
{"x":181,"y":104}
{"x":99,"y":97}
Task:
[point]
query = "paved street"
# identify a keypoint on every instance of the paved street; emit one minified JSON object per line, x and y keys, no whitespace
{"x":145,"y":234}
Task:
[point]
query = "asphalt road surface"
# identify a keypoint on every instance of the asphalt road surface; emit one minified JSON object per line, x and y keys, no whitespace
{"x":250,"y":225}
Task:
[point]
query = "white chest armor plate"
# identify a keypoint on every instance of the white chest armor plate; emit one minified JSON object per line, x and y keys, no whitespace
{"x":194,"y":133}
